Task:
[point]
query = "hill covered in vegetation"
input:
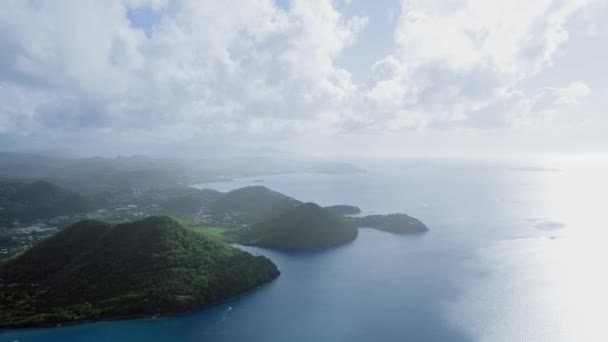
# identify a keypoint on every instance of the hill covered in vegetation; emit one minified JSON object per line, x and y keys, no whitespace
{"x":307,"y":227}
{"x":95,"y":269}
{"x":343,"y":209}
{"x":38,"y":200}
{"x":251,"y":205}
{"x":393,"y":223}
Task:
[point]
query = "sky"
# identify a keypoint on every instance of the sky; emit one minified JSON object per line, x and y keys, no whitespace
{"x":441,"y":78}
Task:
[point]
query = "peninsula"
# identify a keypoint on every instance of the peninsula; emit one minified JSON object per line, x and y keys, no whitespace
{"x":98,"y":270}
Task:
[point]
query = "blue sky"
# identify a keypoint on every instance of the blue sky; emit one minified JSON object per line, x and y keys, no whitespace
{"x":395,"y":78}
{"x":144,"y":18}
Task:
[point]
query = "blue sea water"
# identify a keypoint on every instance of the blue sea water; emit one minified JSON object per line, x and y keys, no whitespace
{"x":514,"y":253}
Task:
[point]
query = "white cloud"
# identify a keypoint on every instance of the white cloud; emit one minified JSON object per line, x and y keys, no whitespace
{"x":462,"y":57}
{"x":513,"y":38}
{"x":220,"y":69}
{"x":574,"y":93}
{"x":563,"y":107}
{"x":213,"y":64}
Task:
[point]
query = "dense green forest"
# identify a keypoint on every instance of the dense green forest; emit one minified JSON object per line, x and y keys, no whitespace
{"x":38,"y":200}
{"x":95,"y":269}
{"x":306,"y":227}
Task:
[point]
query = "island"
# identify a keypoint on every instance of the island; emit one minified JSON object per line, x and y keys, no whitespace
{"x":307,"y":227}
{"x":96,"y":270}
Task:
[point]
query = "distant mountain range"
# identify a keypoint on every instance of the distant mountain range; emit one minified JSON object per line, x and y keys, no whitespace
{"x":94,"y":174}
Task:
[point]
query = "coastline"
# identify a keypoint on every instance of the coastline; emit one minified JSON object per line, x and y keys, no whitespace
{"x":7,"y":329}
{"x":258,"y":177}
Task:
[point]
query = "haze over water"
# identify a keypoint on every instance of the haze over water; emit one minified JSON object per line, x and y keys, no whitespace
{"x":514,"y":253}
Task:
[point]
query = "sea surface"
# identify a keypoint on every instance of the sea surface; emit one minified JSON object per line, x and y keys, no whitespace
{"x":515,"y":252}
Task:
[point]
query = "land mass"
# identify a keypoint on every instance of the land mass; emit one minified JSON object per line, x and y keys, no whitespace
{"x":307,"y":227}
{"x":250,"y":205}
{"x":343,"y":209}
{"x":32,"y":212}
{"x":95,"y":270}
{"x":96,"y":174}
{"x":149,"y":264}
{"x":394,"y":223}
{"x":26,"y":202}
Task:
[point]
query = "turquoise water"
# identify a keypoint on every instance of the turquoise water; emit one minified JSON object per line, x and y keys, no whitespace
{"x":514,"y":254}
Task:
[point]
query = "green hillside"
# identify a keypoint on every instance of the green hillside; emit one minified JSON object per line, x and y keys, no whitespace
{"x":95,"y":269}
{"x":31,"y":201}
{"x":306,"y":227}
{"x":252,"y":204}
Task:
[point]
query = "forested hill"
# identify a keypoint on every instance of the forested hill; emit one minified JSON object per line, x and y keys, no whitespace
{"x":252,"y":204}
{"x":95,"y":269}
{"x":38,"y":200}
{"x":306,"y":227}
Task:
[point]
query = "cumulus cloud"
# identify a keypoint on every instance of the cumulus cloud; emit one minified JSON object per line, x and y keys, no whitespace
{"x":467,"y":58}
{"x":554,"y":105}
{"x":212,"y":63}
{"x":574,"y":93}
{"x":225,"y":68}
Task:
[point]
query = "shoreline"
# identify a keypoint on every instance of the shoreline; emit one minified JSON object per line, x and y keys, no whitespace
{"x":8,"y":329}
{"x":258,"y":178}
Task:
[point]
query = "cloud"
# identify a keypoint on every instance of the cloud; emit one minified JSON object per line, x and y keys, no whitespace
{"x":468,"y":56}
{"x":554,"y":105}
{"x":574,"y":93}
{"x":211,"y":64}
{"x":217,"y":70}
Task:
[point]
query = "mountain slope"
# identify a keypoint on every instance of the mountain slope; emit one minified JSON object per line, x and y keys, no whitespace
{"x":38,"y":200}
{"x":252,"y":204}
{"x":95,"y":270}
{"x":304,"y":228}
{"x":343,"y":210}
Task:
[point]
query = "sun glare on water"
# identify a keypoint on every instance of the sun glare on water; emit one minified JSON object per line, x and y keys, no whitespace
{"x":548,"y":283}
{"x":573,"y":264}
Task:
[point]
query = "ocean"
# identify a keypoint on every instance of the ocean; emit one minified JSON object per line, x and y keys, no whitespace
{"x":515,"y":252}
